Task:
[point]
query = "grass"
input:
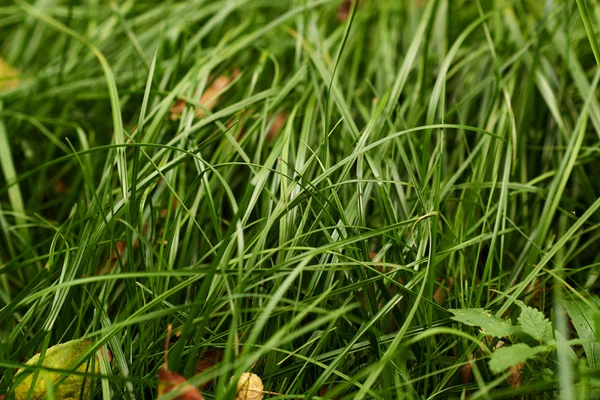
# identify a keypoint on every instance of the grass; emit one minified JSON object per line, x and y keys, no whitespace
{"x":355,"y":178}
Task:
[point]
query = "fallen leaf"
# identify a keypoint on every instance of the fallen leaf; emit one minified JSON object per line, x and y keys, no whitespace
{"x":323,"y":391}
{"x":277,"y":124}
{"x":209,"y":359}
{"x":9,"y":76}
{"x":441,"y":293}
{"x":169,"y":381}
{"x":343,"y":11}
{"x":465,"y":370}
{"x":209,"y":98}
{"x":59,"y":187}
{"x":249,"y":387}
{"x":515,"y":377}
{"x":62,"y":356}
{"x":163,"y":211}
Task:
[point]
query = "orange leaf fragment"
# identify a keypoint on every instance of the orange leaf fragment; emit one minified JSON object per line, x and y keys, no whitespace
{"x":169,"y":381}
{"x":441,"y":293}
{"x":209,"y":98}
{"x":278,"y":123}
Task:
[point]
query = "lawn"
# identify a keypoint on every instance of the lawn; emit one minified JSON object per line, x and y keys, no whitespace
{"x":389,"y":199}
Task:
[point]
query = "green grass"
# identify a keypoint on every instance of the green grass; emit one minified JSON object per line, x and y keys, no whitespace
{"x":456,"y":141}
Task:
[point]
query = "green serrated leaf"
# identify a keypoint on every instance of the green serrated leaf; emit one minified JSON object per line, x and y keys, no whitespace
{"x":535,"y":324}
{"x":490,"y":324}
{"x":508,"y":356}
{"x":62,"y":356}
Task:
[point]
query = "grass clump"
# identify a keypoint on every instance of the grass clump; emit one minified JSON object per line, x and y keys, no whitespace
{"x":305,"y":190}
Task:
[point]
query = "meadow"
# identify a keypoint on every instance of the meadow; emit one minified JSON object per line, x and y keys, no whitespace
{"x":384,"y":199}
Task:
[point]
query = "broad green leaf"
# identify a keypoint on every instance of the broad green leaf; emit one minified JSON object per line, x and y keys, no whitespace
{"x":508,"y":356}
{"x":62,"y":356}
{"x":535,"y":324}
{"x":582,"y":316}
{"x":490,"y":324}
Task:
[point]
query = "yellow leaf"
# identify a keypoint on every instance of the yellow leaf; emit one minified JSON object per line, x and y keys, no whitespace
{"x":62,"y":356}
{"x":9,"y":76}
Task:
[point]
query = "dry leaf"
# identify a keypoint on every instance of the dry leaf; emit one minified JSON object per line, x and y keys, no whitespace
{"x":249,"y":387}
{"x":209,"y":98}
{"x":324,"y":389}
{"x":277,"y":124}
{"x":169,"y":381}
{"x":441,"y":293}
{"x":62,"y":356}
{"x":9,"y":76}
{"x":343,"y":11}
{"x":209,"y":359}
{"x":515,"y":377}
{"x":59,"y":187}
{"x":465,"y":370}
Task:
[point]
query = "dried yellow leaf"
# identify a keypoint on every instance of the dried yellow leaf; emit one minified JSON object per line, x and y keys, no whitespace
{"x":249,"y":387}
{"x":9,"y":76}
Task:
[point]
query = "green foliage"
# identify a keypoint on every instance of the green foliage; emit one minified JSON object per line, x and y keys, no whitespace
{"x":489,"y":324}
{"x":509,"y":356}
{"x":535,"y":324}
{"x":305,"y":189}
{"x":585,"y":320}
{"x":530,"y":323}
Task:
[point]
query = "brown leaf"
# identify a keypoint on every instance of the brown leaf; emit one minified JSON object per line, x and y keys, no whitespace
{"x":515,"y":377}
{"x":323,"y":391}
{"x":465,"y":370}
{"x":163,"y":212}
{"x":343,"y":12}
{"x":59,"y":187}
{"x":209,"y":359}
{"x":277,"y":124}
{"x":209,"y":98}
{"x":441,"y":293}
